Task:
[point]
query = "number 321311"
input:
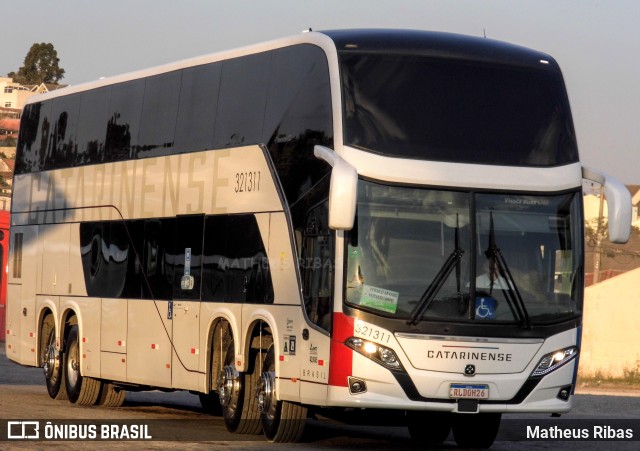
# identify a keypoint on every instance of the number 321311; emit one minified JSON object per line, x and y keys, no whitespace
{"x":247,"y":182}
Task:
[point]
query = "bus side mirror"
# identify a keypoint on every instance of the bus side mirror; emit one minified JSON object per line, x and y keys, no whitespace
{"x":343,"y":191}
{"x":618,"y":202}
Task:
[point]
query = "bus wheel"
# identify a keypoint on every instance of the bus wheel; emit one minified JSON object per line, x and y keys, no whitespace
{"x":237,"y":396}
{"x":51,"y":360}
{"x":476,"y":431}
{"x":282,"y":421}
{"x":110,"y":395}
{"x":429,"y":428}
{"x":81,"y":390}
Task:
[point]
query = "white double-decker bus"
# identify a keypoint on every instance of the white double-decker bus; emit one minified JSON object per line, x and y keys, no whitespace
{"x":369,"y":219}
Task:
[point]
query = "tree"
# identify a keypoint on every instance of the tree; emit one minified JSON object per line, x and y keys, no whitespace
{"x":40,"y":66}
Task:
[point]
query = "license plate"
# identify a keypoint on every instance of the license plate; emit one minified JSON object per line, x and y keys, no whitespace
{"x":469,"y":391}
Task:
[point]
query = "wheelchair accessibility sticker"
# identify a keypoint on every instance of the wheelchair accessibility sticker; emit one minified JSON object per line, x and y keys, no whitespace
{"x":486,"y":308}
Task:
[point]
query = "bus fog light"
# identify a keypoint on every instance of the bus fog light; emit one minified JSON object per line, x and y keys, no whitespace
{"x":565,"y":393}
{"x":378,"y":353}
{"x":357,"y":386}
{"x":554,"y":360}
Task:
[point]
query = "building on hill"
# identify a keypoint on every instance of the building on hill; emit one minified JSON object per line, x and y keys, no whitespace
{"x":14,"y":95}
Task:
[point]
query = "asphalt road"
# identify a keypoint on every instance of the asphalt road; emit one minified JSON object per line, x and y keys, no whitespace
{"x":178,"y":418}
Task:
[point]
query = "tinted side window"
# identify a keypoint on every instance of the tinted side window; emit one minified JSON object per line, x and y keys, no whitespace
{"x":158,"y":258}
{"x":126,"y":250}
{"x":123,"y":125}
{"x":109,"y":252}
{"x":27,"y":157}
{"x":92,"y":126}
{"x":249,"y":277}
{"x":44,"y":131}
{"x":236,"y":266}
{"x":197,"y":108}
{"x":298,"y":117}
{"x":159,"y":112}
{"x":243,"y":97}
{"x":62,"y":138}
{"x":215,"y":265}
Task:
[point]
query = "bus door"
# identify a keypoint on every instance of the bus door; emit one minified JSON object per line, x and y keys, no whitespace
{"x":317,"y":272}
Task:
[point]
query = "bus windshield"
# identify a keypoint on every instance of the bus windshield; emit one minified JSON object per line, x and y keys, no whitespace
{"x":418,"y":107}
{"x":515,"y":257}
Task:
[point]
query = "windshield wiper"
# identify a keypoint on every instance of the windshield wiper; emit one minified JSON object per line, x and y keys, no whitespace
{"x":453,"y":261}
{"x":512,"y":294}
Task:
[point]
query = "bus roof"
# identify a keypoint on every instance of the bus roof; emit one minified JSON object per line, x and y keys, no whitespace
{"x":429,"y":43}
{"x":438,"y":44}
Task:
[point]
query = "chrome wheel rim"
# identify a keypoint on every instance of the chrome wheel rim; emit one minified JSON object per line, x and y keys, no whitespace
{"x":229,"y":387}
{"x":72,"y":365}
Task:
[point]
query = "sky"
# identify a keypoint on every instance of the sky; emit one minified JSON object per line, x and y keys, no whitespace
{"x":596,"y":43}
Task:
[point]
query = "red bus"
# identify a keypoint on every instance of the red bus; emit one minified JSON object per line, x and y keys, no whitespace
{"x":4,"y":250}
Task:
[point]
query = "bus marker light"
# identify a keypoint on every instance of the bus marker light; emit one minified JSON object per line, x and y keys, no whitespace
{"x":155,"y":346}
{"x":320,"y":362}
{"x":195,"y":351}
{"x":31,"y":334}
{"x":282,"y":358}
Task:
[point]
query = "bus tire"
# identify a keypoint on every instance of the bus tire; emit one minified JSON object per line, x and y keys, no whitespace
{"x":429,"y":428}
{"x":237,"y":396}
{"x":52,"y":360}
{"x":110,"y":395}
{"x":282,"y":421}
{"x":81,"y":390}
{"x":476,"y":430}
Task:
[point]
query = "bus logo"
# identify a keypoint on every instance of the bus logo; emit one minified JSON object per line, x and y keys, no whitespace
{"x":470,"y":370}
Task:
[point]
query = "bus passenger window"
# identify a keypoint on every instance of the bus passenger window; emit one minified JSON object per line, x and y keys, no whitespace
{"x":236,"y":267}
{"x":317,"y":267}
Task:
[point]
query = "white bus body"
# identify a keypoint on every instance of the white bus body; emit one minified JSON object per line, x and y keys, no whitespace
{"x":305,"y":223}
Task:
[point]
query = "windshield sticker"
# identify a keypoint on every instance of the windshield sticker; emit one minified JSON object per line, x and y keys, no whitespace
{"x":486,"y":307}
{"x":379,"y":298}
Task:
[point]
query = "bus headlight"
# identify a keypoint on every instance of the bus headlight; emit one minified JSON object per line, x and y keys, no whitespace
{"x":555,"y":360}
{"x":378,"y":353}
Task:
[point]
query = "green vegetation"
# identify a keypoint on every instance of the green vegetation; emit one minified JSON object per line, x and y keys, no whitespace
{"x":40,"y":66}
